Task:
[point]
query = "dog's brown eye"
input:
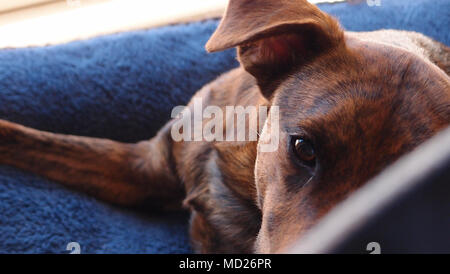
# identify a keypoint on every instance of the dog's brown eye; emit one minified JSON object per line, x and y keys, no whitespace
{"x":304,"y":150}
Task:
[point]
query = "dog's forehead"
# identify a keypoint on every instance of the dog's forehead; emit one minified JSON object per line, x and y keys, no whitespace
{"x":361,"y":77}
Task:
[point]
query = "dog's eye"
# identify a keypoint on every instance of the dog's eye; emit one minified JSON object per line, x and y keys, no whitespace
{"x":304,"y":150}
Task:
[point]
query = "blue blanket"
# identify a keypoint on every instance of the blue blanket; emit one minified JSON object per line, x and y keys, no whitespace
{"x":123,"y":87}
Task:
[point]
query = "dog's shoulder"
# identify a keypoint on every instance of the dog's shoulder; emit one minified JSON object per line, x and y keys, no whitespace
{"x":219,"y":176}
{"x":233,"y":88}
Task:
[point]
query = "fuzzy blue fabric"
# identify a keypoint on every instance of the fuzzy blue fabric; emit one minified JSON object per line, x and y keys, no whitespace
{"x":123,"y":87}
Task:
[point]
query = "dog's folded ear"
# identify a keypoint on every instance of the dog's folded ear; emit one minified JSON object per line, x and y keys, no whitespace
{"x":275,"y":35}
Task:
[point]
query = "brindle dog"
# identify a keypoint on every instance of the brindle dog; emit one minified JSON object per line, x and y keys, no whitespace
{"x":350,"y":104}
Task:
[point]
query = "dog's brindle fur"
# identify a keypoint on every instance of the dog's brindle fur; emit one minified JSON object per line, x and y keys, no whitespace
{"x":363,"y":99}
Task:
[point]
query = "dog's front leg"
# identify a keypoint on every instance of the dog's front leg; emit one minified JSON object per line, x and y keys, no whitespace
{"x":125,"y":174}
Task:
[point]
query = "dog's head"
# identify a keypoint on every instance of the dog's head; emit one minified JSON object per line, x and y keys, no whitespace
{"x":348,"y":108}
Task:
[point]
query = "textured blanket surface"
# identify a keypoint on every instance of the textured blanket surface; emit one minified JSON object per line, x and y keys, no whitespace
{"x":123,"y":87}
